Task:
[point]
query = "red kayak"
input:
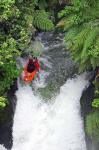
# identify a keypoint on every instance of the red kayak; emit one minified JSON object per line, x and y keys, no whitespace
{"x":28,"y":77}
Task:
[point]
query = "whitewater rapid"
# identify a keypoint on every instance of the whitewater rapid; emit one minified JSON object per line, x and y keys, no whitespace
{"x":56,"y":125}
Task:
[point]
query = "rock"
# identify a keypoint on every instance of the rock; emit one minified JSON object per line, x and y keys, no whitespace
{"x":7,"y":118}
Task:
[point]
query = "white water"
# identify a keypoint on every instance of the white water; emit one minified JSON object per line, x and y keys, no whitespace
{"x":55,"y":126}
{"x":2,"y":147}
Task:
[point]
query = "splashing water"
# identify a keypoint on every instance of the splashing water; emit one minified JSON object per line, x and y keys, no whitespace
{"x":2,"y":147}
{"x":50,"y":126}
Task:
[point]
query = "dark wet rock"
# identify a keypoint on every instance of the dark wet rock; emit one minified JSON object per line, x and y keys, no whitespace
{"x":6,"y":135}
{"x":6,"y":120}
{"x":86,"y":108}
{"x":86,"y":100}
{"x":6,"y":127}
{"x":12,"y":97}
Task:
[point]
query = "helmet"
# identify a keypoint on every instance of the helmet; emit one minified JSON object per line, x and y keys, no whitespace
{"x":30,"y":60}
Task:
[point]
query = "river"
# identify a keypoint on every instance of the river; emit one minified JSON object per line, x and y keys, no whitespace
{"x":49,"y":117}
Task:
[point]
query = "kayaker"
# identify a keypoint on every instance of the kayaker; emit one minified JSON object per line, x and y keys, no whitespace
{"x":33,"y":64}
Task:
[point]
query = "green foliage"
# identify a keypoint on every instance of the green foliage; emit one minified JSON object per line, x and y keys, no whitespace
{"x":95,"y":103}
{"x":50,"y":3}
{"x":8,"y":53}
{"x":92,"y":125}
{"x":8,"y":9}
{"x":43,"y":4}
{"x":10,"y":73}
{"x":3,"y":102}
{"x":81,"y":24}
{"x":41,"y":20}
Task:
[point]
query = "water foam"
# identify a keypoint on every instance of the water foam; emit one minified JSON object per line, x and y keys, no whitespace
{"x":2,"y":147}
{"x":55,"y":126}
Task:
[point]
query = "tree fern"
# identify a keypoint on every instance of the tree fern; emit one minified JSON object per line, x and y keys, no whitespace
{"x":94,"y":54}
{"x":70,"y":34}
{"x":41,"y":20}
{"x":83,"y":17}
{"x":90,"y":39}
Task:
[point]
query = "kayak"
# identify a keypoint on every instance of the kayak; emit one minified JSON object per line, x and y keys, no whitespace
{"x":28,"y":77}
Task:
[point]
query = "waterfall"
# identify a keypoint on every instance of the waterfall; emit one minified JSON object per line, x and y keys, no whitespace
{"x":55,"y":125}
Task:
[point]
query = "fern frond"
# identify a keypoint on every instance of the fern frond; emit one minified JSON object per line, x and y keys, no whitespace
{"x":82,"y":32}
{"x":42,"y":21}
{"x":94,"y":54}
{"x":80,"y":38}
{"x":69,"y":22}
{"x":70,"y":36}
{"x":42,"y":4}
{"x":90,"y":38}
{"x":68,"y":10}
